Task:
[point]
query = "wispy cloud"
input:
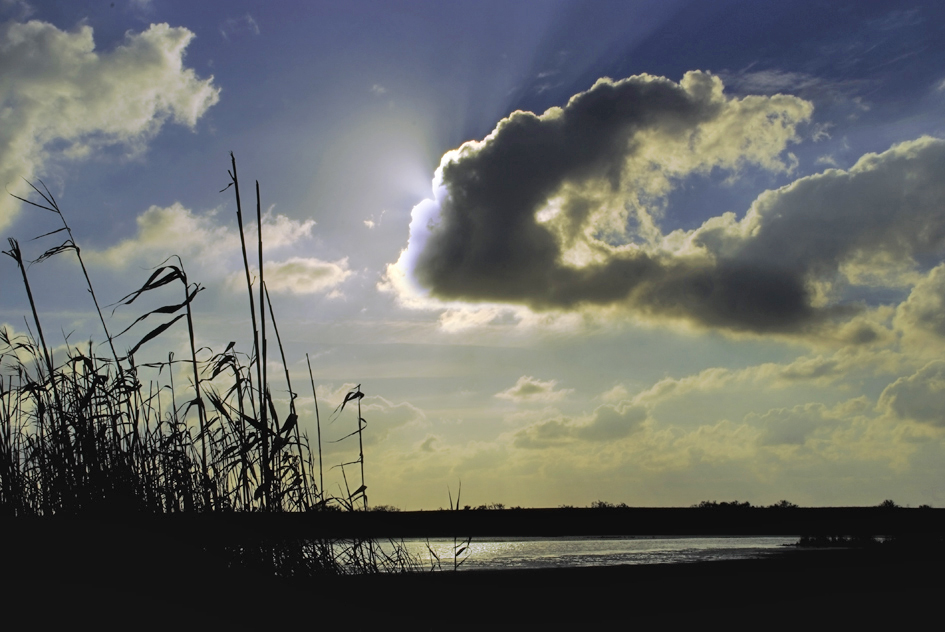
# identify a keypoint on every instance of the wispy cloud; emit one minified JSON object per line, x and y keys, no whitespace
{"x":237,"y":27}
{"x":143,"y":6}
{"x":18,"y":9}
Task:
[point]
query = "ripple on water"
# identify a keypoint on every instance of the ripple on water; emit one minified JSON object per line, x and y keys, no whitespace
{"x":498,"y":553}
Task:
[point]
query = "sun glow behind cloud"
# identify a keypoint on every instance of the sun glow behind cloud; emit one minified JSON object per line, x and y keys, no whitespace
{"x":565,"y":178}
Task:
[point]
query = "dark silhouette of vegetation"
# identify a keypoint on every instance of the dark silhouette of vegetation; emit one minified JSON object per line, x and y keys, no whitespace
{"x":91,"y":436}
{"x":603,"y":504}
{"x":460,"y":545}
{"x":711,"y":504}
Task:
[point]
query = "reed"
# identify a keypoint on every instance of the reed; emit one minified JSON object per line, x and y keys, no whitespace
{"x":93,"y":436}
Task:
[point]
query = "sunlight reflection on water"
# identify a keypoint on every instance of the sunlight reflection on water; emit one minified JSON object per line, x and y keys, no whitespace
{"x":497,"y":553}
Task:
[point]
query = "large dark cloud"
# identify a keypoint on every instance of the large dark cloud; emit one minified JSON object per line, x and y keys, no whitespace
{"x":488,"y":243}
{"x":620,"y":145}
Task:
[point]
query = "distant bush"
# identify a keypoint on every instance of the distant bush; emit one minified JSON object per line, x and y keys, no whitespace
{"x":603,"y":504}
{"x":888,"y":504}
{"x":783,"y":504}
{"x":711,"y":504}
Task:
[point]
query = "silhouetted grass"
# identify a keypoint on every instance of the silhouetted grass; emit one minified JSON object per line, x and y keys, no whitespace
{"x":87,"y":436}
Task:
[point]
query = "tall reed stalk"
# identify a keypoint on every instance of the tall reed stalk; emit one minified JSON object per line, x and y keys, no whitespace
{"x":92,"y":435}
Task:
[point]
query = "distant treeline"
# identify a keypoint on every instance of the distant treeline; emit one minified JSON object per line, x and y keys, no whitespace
{"x":603,"y":504}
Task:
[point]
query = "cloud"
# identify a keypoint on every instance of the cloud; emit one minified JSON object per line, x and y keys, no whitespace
{"x":371,"y":223}
{"x":807,"y":86}
{"x":59,"y":97}
{"x":529,"y":389}
{"x":201,"y":240}
{"x":608,"y":422}
{"x":616,"y":394}
{"x":383,"y":416}
{"x":305,"y":275}
{"x":790,"y":426}
{"x":611,"y":422}
{"x":920,"y":397}
{"x":163,"y":231}
{"x":560,"y":212}
{"x":921,"y":317}
{"x":429,"y":443}
{"x":19,"y":8}
{"x":773,"y":81}
{"x":235,"y":27}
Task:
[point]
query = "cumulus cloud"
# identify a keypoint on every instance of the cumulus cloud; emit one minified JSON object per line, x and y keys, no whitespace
{"x":57,"y":91}
{"x":203,"y":240}
{"x":790,"y":426}
{"x":530,"y":389}
{"x":383,"y":416}
{"x":174,"y":229}
{"x":921,"y":317}
{"x":920,"y":397}
{"x":305,"y":275}
{"x":608,"y":422}
{"x":557,"y":210}
{"x":164,"y":231}
{"x":561,"y":212}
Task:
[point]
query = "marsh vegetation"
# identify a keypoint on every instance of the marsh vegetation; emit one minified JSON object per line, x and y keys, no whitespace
{"x":86,"y":434}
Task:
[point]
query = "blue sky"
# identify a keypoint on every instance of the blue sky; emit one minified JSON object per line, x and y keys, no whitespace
{"x":715,"y":271}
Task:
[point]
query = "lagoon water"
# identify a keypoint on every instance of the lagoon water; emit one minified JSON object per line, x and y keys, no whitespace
{"x":499,"y":553}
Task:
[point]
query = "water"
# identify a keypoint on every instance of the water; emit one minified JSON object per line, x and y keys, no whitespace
{"x":499,"y":553}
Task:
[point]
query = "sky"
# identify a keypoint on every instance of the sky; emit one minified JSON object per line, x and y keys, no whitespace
{"x":643,"y":252}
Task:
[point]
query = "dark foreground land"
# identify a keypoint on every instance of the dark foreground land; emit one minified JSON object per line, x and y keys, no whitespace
{"x":156,"y":574}
{"x":813,"y":589}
